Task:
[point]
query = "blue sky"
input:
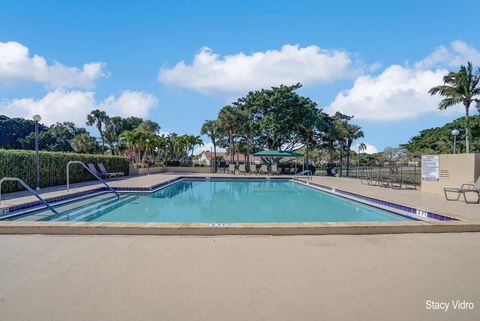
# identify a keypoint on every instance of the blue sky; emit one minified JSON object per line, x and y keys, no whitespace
{"x":373,"y":59}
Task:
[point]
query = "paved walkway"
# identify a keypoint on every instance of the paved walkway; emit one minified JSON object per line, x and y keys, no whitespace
{"x":413,"y":198}
{"x":380,"y":277}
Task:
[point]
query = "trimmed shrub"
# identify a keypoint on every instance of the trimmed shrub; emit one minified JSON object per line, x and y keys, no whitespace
{"x":53,"y":167}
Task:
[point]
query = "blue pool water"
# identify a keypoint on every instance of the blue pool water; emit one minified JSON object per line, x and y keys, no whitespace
{"x":220,"y":201}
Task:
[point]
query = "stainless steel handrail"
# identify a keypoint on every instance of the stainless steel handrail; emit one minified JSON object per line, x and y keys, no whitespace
{"x":306,"y":172}
{"x":91,"y":172}
{"x":28,"y":189}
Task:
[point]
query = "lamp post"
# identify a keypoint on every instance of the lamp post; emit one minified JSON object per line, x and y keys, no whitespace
{"x":455,"y":133}
{"x":36,"y":119}
{"x":148,"y":161}
{"x":358,"y":160}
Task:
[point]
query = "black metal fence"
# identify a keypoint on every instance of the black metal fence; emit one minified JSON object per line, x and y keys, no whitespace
{"x":403,"y":174}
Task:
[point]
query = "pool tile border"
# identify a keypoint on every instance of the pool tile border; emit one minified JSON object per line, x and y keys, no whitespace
{"x":417,"y":214}
{"x":414,"y":211}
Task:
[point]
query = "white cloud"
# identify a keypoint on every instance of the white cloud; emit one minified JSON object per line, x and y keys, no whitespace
{"x":129,"y":103}
{"x":398,"y":93}
{"x":456,"y":54}
{"x":401,"y":92}
{"x":206,"y":147}
{"x":16,"y":65}
{"x":213,"y":73}
{"x":371,"y":149}
{"x":61,"y":105}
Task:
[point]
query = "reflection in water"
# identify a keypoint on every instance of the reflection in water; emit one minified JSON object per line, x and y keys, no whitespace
{"x":175,"y":189}
{"x":228,"y":201}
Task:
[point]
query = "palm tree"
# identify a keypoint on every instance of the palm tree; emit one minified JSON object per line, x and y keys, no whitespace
{"x":228,"y":121}
{"x":460,"y":87}
{"x":245,"y":129}
{"x":353,"y":132}
{"x":341,"y":132}
{"x":113,"y":130}
{"x":98,"y":118}
{"x":211,"y":129}
{"x":83,"y":143}
{"x":192,"y":142}
{"x":361,"y":149}
{"x":159,"y":145}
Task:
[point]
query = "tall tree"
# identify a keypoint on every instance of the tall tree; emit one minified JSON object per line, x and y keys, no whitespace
{"x":13,"y":131}
{"x":192,"y":142}
{"x":462,"y":87}
{"x":84,"y":143}
{"x":246,"y":128}
{"x":113,"y":130}
{"x":227,"y":118}
{"x":341,"y":131}
{"x":211,"y":128}
{"x":149,"y":126}
{"x":353,"y":132}
{"x":361,"y":149}
{"x":278,"y":114}
{"x":98,"y":118}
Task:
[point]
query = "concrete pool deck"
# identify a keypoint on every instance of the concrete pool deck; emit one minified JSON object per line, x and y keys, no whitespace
{"x":334,"y":277}
{"x":468,"y":214}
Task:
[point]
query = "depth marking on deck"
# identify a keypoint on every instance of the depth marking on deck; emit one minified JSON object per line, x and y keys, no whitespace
{"x":220,"y":225}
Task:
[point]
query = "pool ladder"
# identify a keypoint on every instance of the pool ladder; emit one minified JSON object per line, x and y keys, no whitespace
{"x":306,"y":173}
{"x":91,"y":172}
{"x":16,"y":179}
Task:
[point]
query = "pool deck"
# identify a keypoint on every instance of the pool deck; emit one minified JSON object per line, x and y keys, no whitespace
{"x":238,"y":277}
{"x":468,"y":214}
{"x":328,"y":277}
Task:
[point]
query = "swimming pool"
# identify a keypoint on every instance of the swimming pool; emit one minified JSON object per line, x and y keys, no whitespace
{"x":219,"y":201}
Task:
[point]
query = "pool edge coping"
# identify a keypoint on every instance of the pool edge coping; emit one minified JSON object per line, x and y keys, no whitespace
{"x":212,"y":229}
{"x":302,"y":228}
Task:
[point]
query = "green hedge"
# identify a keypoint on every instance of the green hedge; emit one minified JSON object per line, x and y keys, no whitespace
{"x":21,"y":164}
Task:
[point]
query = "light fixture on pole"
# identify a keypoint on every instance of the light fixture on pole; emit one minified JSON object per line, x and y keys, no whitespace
{"x":455,"y":133}
{"x":358,"y":159}
{"x":148,"y":161}
{"x":36,"y":119}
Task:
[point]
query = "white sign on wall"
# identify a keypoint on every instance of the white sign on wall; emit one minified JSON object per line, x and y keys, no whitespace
{"x":430,"y":168}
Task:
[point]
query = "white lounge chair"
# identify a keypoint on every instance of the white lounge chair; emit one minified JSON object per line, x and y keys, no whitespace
{"x":468,"y":188}
{"x":275,"y":169}
{"x":231,"y":169}
{"x":241,"y":169}
{"x":253,"y":169}
{"x":290,"y":171}
{"x":104,"y":171}
{"x":93,"y":169}
{"x":263,"y":169}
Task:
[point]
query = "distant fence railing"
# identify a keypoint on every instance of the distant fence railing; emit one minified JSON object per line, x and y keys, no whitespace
{"x":407,"y":173}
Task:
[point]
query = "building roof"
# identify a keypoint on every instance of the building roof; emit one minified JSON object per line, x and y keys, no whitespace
{"x":209,"y":156}
{"x":276,"y":153}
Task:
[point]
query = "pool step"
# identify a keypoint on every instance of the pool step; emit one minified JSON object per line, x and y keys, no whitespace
{"x":74,"y":212}
{"x":91,"y":215}
{"x":46,"y":215}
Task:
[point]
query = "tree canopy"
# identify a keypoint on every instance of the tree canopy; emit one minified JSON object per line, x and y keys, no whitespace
{"x":439,"y":140}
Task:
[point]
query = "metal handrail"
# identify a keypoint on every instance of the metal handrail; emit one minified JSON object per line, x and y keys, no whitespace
{"x":28,"y":189}
{"x":307,"y":173}
{"x":91,"y":172}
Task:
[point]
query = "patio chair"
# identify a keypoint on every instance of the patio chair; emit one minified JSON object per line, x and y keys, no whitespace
{"x":93,"y":169}
{"x":254,"y":169}
{"x":472,"y":187}
{"x":264,"y":169}
{"x":241,"y":169}
{"x":290,"y":171}
{"x":104,"y":171}
{"x":231,"y":169}
{"x":275,"y":169}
